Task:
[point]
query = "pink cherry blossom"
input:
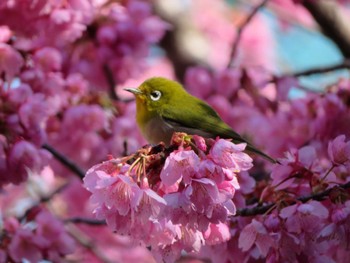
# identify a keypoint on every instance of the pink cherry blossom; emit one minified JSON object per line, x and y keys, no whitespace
{"x":200,"y":142}
{"x":199,"y":81}
{"x":199,"y":204}
{"x":217,"y":234}
{"x":48,"y":59}
{"x":24,"y":157}
{"x":19,"y":95}
{"x":153,"y":28}
{"x":44,"y":237}
{"x":53,"y":236}
{"x":10,"y":61}
{"x":230,"y":155}
{"x":209,"y":169}
{"x":297,"y":170}
{"x":339,"y":150}
{"x":255,"y":234}
{"x":227,"y":82}
{"x":89,"y":117}
{"x":77,"y":86}
{"x":284,"y":85}
{"x":119,"y":198}
{"x":301,"y":217}
{"x":180,"y":165}
{"x":23,"y":247}
{"x":33,"y":115}
{"x":106,"y":34}
{"x":338,"y":228}
{"x":5,"y":34}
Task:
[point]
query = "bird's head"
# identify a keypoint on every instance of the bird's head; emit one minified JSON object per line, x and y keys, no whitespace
{"x":156,"y":92}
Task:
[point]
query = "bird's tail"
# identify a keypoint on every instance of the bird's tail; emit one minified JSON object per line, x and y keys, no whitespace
{"x":252,"y":149}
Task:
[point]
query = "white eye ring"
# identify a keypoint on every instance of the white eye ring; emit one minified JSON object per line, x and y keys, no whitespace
{"x":155,"y":95}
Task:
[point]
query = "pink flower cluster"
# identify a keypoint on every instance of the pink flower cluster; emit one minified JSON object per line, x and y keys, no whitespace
{"x":53,"y":72}
{"x":309,"y":190}
{"x":42,"y":238}
{"x":60,"y":61}
{"x":180,"y":203}
{"x":120,"y":40}
{"x":314,"y":230}
{"x":61,"y":66}
{"x":295,"y":228}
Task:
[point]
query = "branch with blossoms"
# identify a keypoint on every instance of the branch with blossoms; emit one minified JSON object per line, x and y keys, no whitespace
{"x":333,"y":192}
{"x":52,"y":91}
{"x":199,"y":198}
{"x":253,"y":211}
{"x":194,"y":178}
{"x":258,"y":210}
{"x":164,"y":187}
{"x":198,"y":179}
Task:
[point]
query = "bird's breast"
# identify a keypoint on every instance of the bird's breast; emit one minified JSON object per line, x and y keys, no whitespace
{"x":156,"y":130}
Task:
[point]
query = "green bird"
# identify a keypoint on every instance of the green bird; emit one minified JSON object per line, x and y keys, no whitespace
{"x":163,"y":107}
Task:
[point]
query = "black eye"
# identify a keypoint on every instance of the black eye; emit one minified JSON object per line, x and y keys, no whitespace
{"x":155,"y":95}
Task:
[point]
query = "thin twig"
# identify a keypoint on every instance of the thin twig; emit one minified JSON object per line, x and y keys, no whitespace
{"x":258,"y":210}
{"x":89,"y":243}
{"x":65,"y":161}
{"x":112,"y":84}
{"x":59,"y":189}
{"x":241,"y":29}
{"x":345,"y":64}
{"x":88,"y":221}
{"x":110,"y":81}
{"x":44,"y":199}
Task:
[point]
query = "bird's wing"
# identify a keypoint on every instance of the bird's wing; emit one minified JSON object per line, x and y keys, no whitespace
{"x":199,"y":119}
{"x":202,"y":120}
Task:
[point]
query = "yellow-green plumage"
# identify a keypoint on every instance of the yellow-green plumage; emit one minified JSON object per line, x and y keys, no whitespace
{"x":164,"y":106}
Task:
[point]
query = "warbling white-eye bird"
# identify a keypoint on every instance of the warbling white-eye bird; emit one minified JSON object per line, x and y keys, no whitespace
{"x":163,"y":107}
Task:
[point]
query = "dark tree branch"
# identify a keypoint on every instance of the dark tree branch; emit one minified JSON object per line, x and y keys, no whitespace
{"x":241,"y":30}
{"x":258,"y":210}
{"x":333,"y":22}
{"x":65,"y":161}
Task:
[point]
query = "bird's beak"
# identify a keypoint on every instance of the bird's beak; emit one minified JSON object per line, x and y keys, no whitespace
{"x":134,"y":91}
